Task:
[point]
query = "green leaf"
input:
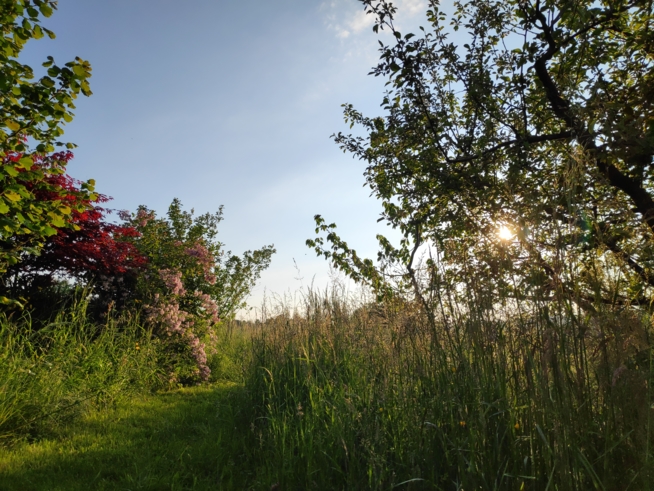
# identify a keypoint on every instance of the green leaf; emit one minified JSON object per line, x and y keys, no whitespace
{"x":79,"y":71}
{"x":26,"y":163}
{"x":45,"y":9}
{"x":3,"y":207}
{"x":12,"y":195}
{"x":12,"y":125}
{"x":10,"y":170}
{"x":58,"y":222}
{"x":37,"y":32}
{"x":86,"y":89}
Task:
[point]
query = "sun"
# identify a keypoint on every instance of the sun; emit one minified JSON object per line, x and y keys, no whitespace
{"x":505,"y":233}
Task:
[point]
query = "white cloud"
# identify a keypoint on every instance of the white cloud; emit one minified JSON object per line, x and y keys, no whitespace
{"x":347,"y":17}
{"x":411,"y":7}
{"x":361,"y":21}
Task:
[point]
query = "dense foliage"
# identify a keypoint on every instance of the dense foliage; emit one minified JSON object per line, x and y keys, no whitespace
{"x":31,"y":123}
{"x":90,"y":249}
{"x":188,"y":283}
{"x":534,"y":115}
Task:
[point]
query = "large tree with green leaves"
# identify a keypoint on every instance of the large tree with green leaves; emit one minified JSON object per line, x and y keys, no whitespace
{"x":32,"y":116}
{"x":536,"y":115}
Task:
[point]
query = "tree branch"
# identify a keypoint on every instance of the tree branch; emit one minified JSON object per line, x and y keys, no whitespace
{"x":561,"y":108}
{"x":564,"y":135}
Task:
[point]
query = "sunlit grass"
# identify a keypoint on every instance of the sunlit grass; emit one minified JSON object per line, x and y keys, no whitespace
{"x":344,"y":393}
{"x":184,"y":439}
{"x":352,"y":397}
{"x":51,"y":374}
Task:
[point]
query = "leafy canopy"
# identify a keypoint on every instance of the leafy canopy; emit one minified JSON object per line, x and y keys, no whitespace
{"x":535,"y":115}
{"x":91,"y":252}
{"x":32,"y":116}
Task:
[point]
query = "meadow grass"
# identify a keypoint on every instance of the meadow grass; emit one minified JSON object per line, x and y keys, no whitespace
{"x":51,"y":373}
{"x":86,"y":406}
{"x":376,"y":397}
{"x":341,"y":393}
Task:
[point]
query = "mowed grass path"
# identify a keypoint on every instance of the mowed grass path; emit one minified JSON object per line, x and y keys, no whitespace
{"x":185,"y":439}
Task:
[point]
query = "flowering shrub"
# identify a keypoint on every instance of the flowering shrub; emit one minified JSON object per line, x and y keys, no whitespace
{"x":188,"y":283}
{"x":88,"y":248}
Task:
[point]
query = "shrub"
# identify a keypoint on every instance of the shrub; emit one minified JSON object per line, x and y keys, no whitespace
{"x":189,"y":284}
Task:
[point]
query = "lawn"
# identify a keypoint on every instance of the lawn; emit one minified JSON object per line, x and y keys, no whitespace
{"x":184,"y":439}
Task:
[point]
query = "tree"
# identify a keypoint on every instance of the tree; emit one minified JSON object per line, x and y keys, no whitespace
{"x":92,"y":251}
{"x":542,"y":121}
{"x":32,"y":116}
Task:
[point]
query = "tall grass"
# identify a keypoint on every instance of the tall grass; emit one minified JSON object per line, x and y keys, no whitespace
{"x":353,"y":395}
{"x":345,"y":393}
{"x":52,"y":373}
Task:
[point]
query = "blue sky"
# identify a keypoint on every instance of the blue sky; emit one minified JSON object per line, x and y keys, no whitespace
{"x":228,"y":102}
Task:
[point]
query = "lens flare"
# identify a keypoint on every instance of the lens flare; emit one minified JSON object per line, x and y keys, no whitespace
{"x":505,"y":233}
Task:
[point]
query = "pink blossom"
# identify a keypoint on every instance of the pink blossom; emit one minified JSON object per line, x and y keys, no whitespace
{"x":175,"y":321}
{"x":199,"y":355}
{"x":144,"y":216}
{"x":173,"y":281}
{"x":208,"y":305}
{"x":170,"y":317}
{"x":205,"y":259}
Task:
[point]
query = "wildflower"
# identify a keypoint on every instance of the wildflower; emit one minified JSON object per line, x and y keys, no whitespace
{"x":517,"y":426}
{"x":137,"y":347}
{"x":462,"y":424}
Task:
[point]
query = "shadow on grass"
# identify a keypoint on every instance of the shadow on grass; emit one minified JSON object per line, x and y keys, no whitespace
{"x":186,"y":439}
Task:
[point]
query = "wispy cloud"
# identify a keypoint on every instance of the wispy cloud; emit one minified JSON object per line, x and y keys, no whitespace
{"x":412,"y":7}
{"x":347,"y":18}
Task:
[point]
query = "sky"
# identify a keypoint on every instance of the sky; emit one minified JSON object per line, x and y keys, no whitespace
{"x":229,"y":102}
